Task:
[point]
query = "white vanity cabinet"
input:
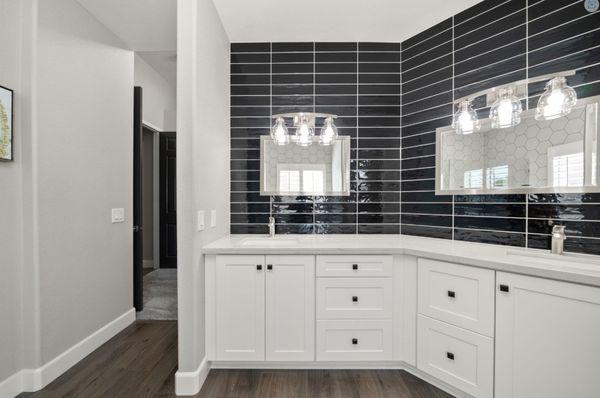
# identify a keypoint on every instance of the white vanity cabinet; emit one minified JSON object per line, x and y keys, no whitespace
{"x":264,"y":308}
{"x":547,"y":338}
{"x":473,"y":331}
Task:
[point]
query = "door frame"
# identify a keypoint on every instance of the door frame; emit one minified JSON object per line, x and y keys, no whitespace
{"x":163,"y":135}
{"x":137,"y":260}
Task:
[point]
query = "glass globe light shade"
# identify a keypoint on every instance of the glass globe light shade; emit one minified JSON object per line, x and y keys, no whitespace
{"x":279,"y":132}
{"x":465,"y":120}
{"x":557,"y":100}
{"x":506,"y":110}
{"x":329,"y":132}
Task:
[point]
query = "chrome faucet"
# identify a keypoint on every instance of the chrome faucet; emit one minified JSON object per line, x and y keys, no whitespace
{"x":272,"y":227}
{"x":558,"y":239}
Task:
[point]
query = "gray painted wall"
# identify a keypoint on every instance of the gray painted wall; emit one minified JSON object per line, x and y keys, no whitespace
{"x":10,"y":197}
{"x":202,"y":160}
{"x":83,"y":168}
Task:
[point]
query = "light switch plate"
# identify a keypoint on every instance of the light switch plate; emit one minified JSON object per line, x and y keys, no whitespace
{"x":117,"y":215}
{"x":200,"y":220}
{"x":213,"y":218}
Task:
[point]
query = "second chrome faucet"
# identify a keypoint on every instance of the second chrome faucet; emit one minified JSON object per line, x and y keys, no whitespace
{"x":272,"y":227}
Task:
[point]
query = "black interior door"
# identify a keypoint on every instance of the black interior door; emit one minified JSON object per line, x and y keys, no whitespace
{"x":138,"y":280}
{"x":168,"y":201}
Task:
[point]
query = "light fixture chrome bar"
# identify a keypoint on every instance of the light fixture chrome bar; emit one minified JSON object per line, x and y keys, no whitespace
{"x":519,"y":84}
{"x":309,"y":114}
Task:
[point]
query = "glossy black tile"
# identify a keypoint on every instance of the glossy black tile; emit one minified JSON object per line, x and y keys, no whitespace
{"x":418,"y":174}
{"x":491,"y":223}
{"x":497,"y":210}
{"x":426,"y":231}
{"x":422,"y":219}
{"x":336,"y":57}
{"x":351,"y":68}
{"x":566,"y":31}
{"x":491,"y":237}
{"x":484,"y":32}
{"x":378,"y":67}
{"x":427,"y":34}
{"x":248,"y":229}
{"x":293,"y":47}
{"x":294,"y":228}
{"x":250,"y":79}
{"x":237,"y":58}
{"x":378,"y":197}
{"x":488,"y":16}
{"x":419,"y":139}
{"x":379,"y":229}
{"x":250,"y":47}
{"x":292,"y":208}
{"x":292,"y":68}
{"x":557,"y":15}
{"x":250,"y":111}
{"x":335,"y":218}
{"x":565,"y":212}
{"x":427,"y":91}
{"x":428,"y":55}
{"x":425,"y":197}
{"x":564,"y":48}
{"x":335,"y":229}
{"x":341,"y":46}
{"x":377,"y":47}
{"x":508,"y":36}
{"x":565,"y":198}
{"x":250,"y":68}
{"x":377,"y":208}
{"x":490,"y":198}
{"x":426,"y":208}
{"x":249,"y":218}
{"x":250,"y":208}
{"x":418,"y":185}
{"x":426,"y":72}
{"x":577,"y":245}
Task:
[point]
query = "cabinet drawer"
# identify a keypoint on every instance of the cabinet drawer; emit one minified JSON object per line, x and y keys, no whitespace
{"x":459,"y":357}
{"x":457,"y":294}
{"x":354,"y":266}
{"x":354,"y":340}
{"x":354,"y":298}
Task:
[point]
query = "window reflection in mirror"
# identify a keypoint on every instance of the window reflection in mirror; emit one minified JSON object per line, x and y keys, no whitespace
{"x":290,"y":169}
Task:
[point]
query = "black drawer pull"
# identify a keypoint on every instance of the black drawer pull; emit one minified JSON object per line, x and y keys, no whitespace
{"x":354,"y":341}
{"x":450,"y":356}
{"x":259,"y":267}
{"x":504,"y":288}
{"x":355,"y":299}
{"x":451,"y":294}
{"x":355,"y":266}
{"x":269,"y":267}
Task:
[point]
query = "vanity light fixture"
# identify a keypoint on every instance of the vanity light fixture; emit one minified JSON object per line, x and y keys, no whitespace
{"x":304,"y":124}
{"x":505,"y":103}
{"x":465,"y":120}
{"x":506,"y":110}
{"x":329,"y":132}
{"x":558,"y":100}
{"x":279,"y":132}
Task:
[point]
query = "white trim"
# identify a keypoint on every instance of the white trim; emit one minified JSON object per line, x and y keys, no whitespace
{"x":152,"y":126}
{"x":12,"y":386}
{"x":36,"y":379}
{"x":190,"y":383}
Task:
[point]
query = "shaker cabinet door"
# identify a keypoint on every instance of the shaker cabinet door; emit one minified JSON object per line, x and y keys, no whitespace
{"x":240,"y":308}
{"x":290,"y":308}
{"x":547,"y":341}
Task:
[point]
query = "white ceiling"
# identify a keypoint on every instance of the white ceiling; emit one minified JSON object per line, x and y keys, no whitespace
{"x":163,"y":62}
{"x":333,"y":20}
{"x":143,"y":25}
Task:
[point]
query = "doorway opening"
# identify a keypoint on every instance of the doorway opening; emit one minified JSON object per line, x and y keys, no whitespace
{"x":155,"y":239}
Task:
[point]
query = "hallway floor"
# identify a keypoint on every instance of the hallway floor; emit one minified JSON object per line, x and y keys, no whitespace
{"x":160,"y":295}
{"x":141,"y":361}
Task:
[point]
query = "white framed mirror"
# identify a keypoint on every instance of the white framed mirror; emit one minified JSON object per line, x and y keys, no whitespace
{"x":536,"y":156}
{"x":305,"y":170}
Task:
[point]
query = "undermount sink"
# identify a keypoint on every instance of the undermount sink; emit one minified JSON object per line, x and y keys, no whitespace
{"x":584,"y":261}
{"x":268,"y":242}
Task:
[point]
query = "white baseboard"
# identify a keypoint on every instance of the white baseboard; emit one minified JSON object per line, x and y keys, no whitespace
{"x":190,"y":383}
{"x":12,"y":386}
{"x":35,"y":379}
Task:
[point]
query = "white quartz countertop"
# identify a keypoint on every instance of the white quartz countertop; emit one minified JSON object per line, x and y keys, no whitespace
{"x":578,"y":268}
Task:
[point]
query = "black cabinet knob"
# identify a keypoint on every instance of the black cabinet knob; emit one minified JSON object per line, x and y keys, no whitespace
{"x":355,"y":299}
{"x":354,"y":266}
{"x":354,"y":341}
{"x":504,"y":288}
{"x":259,"y":267}
{"x":451,"y":293}
{"x":269,"y":267}
{"x":450,"y":356}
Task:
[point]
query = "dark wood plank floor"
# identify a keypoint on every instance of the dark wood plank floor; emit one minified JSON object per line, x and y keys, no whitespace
{"x":141,"y":362}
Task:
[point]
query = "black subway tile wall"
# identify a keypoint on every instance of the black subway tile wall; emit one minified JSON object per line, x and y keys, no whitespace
{"x":391,"y":97}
